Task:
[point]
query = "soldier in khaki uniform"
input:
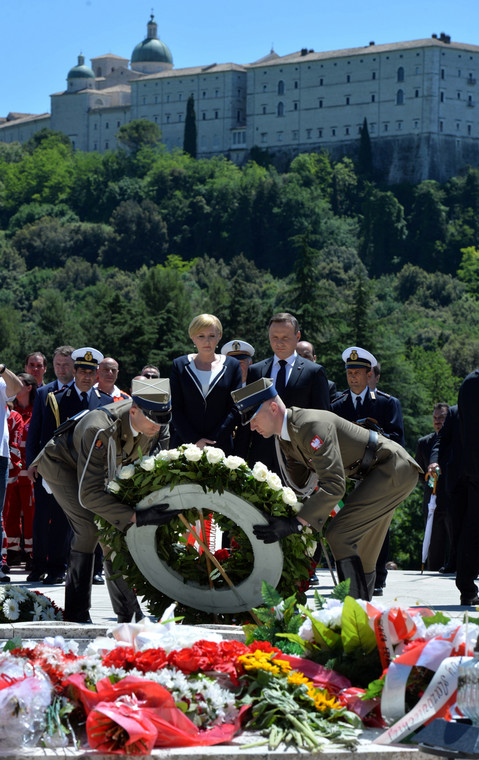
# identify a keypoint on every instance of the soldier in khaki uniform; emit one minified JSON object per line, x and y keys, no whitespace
{"x":334,"y":449}
{"x":77,"y":464}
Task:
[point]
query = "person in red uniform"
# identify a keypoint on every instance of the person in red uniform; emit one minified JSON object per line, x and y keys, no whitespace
{"x":19,"y":500}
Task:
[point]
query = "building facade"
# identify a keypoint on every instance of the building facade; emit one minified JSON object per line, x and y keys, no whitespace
{"x":419,"y":99}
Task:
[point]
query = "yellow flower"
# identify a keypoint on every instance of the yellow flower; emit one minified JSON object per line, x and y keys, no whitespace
{"x":259,"y":660}
{"x":321,"y":698}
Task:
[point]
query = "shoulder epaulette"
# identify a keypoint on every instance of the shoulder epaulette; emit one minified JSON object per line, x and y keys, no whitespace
{"x":343,"y":395}
{"x":53,"y":404}
{"x":382,"y":393}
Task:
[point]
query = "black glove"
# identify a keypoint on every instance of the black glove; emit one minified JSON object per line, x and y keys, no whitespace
{"x":277,"y":528}
{"x":156,"y":515}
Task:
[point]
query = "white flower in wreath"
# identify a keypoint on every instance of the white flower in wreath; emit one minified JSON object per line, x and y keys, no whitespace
{"x":232,"y":462}
{"x":113,"y":487}
{"x":192,"y":453}
{"x":274,"y":481}
{"x":214,"y":455}
{"x":147,"y":463}
{"x":127,"y":472}
{"x":37,"y":611}
{"x":162,"y":456}
{"x":173,"y":455}
{"x":289,"y":497}
{"x":260,"y":472}
{"x":11,"y":609}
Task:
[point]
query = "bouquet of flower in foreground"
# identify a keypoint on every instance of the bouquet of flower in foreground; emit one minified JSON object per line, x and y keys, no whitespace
{"x":214,"y":472}
{"x":128,"y":701}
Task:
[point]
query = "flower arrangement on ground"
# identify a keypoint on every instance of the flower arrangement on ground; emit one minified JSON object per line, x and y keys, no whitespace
{"x":20,"y":605}
{"x":128,"y":701}
{"x":126,"y":696}
{"x":401,"y":664}
{"x":211,"y":469}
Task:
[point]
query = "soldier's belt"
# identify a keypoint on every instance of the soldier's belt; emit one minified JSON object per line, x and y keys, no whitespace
{"x":362,"y":466}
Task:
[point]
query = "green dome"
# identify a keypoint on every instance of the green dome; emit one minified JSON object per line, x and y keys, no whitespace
{"x":81,"y":71}
{"x":151,"y":51}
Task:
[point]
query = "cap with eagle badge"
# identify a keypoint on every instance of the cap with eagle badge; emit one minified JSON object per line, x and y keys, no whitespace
{"x":240,"y":349}
{"x":153,"y":397}
{"x":249,"y":399}
{"x":355,"y":357}
{"x":87,"y":357}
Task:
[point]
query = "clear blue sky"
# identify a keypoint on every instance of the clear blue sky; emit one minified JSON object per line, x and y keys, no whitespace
{"x":41,"y":39}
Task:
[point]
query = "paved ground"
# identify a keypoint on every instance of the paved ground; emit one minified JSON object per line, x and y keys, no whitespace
{"x":407,"y":588}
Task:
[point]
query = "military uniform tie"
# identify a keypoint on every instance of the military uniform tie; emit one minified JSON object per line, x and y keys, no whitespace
{"x":359,"y":407}
{"x":84,"y":400}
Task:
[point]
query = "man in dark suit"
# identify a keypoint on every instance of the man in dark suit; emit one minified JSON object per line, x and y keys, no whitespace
{"x":467,"y":560}
{"x":47,"y":511}
{"x":299,"y":382}
{"x":442,"y":529}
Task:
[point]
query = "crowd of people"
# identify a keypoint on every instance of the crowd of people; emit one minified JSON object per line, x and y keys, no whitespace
{"x":63,"y":440}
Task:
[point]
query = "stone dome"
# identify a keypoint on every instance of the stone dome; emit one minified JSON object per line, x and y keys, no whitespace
{"x":151,"y":50}
{"x":81,"y":71}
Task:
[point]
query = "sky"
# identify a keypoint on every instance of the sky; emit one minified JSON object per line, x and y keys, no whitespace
{"x":40,"y":40}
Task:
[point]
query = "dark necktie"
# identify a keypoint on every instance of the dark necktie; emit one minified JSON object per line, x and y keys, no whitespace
{"x":84,"y":400}
{"x":359,"y":407}
{"x":281,"y":377}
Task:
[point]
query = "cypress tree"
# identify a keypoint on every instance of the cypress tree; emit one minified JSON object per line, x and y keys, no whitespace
{"x":189,"y":139}
{"x":365,"y":156}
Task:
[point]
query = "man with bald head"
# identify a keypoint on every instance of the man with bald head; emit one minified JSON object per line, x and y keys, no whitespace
{"x":107,"y":375}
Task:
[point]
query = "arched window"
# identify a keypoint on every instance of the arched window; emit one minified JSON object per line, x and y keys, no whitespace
{"x":400,"y":74}
{"x":280,"y":87}
{"x":400,"y":98}
{"x":280,"y":109}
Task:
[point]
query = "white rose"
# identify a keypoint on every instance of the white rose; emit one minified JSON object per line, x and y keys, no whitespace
{"x":306,"y":630}
{"x":274,"y":481}
{"x":232,"y":462}
{"x":193,"y":453}
{"x":214,"y":455}
{"x":289,"y":497}
{"x":260,"y":472}
{"x":148,"y":463}
{"x":113,"y":486}
{"x":162,"y":455}
{"x":173,"y":455}
{"x":127,"y":472}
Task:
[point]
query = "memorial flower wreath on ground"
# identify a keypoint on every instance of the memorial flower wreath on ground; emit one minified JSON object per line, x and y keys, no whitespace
{"x":214,"y":472}
{"x":161,"y":685}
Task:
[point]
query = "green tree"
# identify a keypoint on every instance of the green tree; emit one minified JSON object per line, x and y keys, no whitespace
{"x":139,"y":236}
{"x":138,"y":134}
{"x":365,"y":166}
{"x":468,"y":271}
{"x":190,"y":136}
{"x":383,"y":232}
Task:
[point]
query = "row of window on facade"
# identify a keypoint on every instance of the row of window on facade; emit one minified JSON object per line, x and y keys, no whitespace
{"x":400,"y":77}
{"x":171,"y":98}
{"x":349,"y":131}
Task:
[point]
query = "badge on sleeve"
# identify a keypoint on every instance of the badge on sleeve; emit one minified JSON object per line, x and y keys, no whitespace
{"x":98,"y":444}
{"x":316,"y":442}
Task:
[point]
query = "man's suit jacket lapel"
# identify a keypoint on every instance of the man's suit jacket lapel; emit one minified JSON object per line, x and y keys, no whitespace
{"x":294,"y":380}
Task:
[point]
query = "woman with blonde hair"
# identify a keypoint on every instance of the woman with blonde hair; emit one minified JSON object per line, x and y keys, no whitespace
{"x":201,"y":384}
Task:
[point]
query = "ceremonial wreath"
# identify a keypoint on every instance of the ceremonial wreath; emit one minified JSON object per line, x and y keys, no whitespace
{"x":213,"y":471}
